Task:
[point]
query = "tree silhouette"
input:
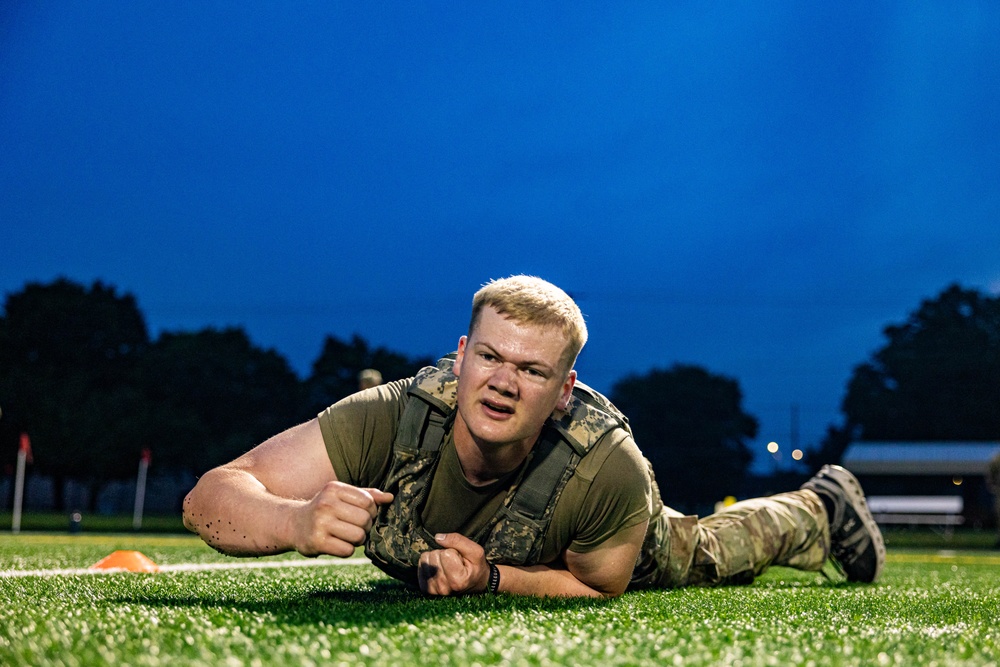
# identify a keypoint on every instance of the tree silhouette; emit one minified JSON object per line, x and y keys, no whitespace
{"x":68,"y":376}
{"x":215,"y":396}
{"x":335,"y":371}
{"x":937,"y":377}
{"x":80,"y":375}
{"x":690,"y":425}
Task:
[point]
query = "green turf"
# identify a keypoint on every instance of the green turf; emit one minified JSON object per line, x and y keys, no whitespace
{"x":930,"y":608}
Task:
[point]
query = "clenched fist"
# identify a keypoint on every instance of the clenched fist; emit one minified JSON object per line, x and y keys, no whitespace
{"x":336,"y":520}
{"x":458,"y":568}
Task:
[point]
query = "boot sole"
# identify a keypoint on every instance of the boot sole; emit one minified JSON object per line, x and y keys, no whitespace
{"x":856,"y":498}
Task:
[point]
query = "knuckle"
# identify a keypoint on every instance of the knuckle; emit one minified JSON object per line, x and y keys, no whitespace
{"x":330,"y":489}
{"x":357,"y":535}
{"x":342,"y":549}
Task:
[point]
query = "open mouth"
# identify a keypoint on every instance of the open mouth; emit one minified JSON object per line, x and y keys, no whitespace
{"x":498,"y":407}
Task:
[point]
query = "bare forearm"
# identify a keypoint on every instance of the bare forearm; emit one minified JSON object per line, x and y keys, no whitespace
{"x":459,"y":567}
{"x":235,"y":514}
{"x":545,"y":581}
{"x":603,"y":572}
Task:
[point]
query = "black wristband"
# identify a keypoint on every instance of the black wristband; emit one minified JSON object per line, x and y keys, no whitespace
{"x":494,"y":583}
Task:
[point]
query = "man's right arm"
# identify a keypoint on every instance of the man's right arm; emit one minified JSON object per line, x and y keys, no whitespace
{"x":283,"y":495}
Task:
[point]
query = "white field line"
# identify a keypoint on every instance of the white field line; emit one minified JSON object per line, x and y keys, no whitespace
{"x":190,"y":567}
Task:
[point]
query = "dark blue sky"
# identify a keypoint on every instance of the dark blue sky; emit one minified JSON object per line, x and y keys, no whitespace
{"x":757,"y":188}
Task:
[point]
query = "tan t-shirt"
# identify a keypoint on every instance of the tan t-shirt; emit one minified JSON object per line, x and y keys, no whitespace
{"x":606,"y":495}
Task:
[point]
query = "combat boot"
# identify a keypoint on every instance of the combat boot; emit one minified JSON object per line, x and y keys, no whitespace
{"x":855,"y":540}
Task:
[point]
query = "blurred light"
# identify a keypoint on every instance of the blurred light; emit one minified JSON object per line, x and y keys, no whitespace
{"x":772,"y":447}
{"x":957,"y":481}
{"x":797,"y":454}
{"x":724,"y":503}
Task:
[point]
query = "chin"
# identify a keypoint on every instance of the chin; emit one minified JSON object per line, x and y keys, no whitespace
{"x":490,"y":434}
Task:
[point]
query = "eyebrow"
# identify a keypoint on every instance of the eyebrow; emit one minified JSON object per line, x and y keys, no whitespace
{"x":524,"y":364}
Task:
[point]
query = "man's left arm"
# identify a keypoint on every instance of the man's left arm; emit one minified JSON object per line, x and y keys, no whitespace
{"x":460,"y":568}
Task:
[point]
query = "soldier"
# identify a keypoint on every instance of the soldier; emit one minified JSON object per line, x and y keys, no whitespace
{"x":369,"y":378}
{"x":497,"y":470}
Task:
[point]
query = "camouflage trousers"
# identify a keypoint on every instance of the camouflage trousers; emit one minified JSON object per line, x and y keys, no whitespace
{"x":735,"y":545}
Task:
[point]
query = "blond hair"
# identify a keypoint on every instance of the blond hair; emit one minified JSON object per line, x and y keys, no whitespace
{"x":531,"y":300}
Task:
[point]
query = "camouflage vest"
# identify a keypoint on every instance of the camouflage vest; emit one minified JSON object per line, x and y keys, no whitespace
{"x":515,"y":535}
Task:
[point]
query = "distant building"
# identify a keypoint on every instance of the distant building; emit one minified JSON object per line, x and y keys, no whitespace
{"x":927,"y":469}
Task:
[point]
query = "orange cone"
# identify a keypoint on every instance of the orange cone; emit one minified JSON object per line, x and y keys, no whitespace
{"x":130,"y":561}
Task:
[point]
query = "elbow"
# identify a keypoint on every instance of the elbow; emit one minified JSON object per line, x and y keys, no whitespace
{"x":193,"y":506}
{"x":188,"y":511}
{"x":610,"y":591}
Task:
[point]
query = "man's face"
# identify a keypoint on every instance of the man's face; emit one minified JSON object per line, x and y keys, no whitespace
{"x":511,"y":377}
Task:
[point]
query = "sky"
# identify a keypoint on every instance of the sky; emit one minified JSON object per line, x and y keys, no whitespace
{"x":754,"y":188}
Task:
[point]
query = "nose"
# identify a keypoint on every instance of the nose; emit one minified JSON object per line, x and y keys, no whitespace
{"x":504,"y":380}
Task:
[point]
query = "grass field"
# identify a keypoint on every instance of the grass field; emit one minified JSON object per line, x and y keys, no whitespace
{"x":931,"y":607}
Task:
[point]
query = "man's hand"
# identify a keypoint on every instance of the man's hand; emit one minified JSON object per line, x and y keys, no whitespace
{"x":458,"y":568}
{"x":336,"y":520}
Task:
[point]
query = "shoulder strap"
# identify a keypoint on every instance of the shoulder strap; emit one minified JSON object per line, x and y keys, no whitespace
{"x":553,"y":458}
{"x":567,"y":438}
{"x":588,"y":416}
{"x":437,"y":385}
{"x":431,"y":408}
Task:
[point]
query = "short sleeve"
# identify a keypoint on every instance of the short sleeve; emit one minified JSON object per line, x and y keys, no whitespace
{"x":359,"y":430}
{"x":619,"y":497}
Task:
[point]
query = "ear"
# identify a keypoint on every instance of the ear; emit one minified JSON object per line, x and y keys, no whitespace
{"x":457,"y":366}
{"x":567,"y":391}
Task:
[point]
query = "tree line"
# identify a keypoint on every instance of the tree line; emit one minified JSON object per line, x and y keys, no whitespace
{"x":936,"y":378}
{"x":81,"y":375}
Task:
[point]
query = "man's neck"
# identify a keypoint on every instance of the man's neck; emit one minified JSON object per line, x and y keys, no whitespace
{"x":486,"y":462}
